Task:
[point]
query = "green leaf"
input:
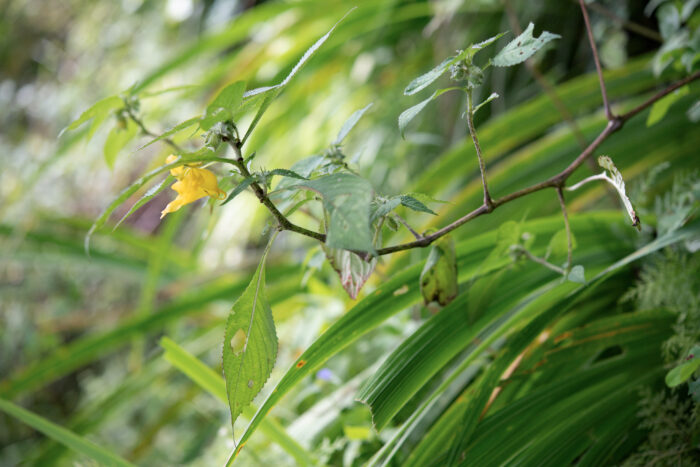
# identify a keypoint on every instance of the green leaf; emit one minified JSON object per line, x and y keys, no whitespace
{"x":271,"y":92}
{"x":438,"y":280}
{"x":522,"y":47}
{"x":98,"y":113}
{"x":380,"y":207}
{"x":63,"y":436}
{"x":693,"y":112}
{"x":117,"y":138}
{"x":250,"y":343}
{"x":425,"y":80}
{"x":353,"y":270}
{"x":685,"y":370}
{"x":694,"y":390}
{"x":428,"y":78}
{"x":286,"y":173}
{"x":347,"y":199}
{"x":149,"y":195}
{"x":223,"y":105}
{"x":239,"y":189}
{"x":212,"y":382}
{"x":412,"y":203}
{"x":660,"y":107}
{"x":410,"y":113}
{"x":177,"y":128}
{"x":577,"y":275}
{"x":350,"y":123}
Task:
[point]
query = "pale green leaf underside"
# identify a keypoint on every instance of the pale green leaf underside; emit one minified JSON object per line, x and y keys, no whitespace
{"x":523,"y":47}
{"x":250,"y":344}
{"x":347,"y":199}
{"x":410,"y":113}
{"x":660,"y":107}
{"x":116,"y":140}
{"x":350,"y":123}
{"x":97,"y":113}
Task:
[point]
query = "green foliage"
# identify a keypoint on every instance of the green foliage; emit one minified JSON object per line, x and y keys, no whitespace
{"x":523,"y":47}
{"x":250,"y":343}
{"x":438,"y":280}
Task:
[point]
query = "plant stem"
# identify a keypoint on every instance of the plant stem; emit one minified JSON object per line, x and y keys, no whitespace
{"x":405,"y":224}
{"x":284,"y":223}
{"x":569,"y":242}
{"x":596,"y":59}
{"x":488,"y":203}
{"x":135,"y":118}
{"x":541,"y":261}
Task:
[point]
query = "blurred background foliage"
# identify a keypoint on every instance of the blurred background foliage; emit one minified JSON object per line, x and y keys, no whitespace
{"x":79,"y":335}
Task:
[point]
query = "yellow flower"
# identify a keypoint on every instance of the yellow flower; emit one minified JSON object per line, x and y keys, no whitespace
{"x":192,"y":184}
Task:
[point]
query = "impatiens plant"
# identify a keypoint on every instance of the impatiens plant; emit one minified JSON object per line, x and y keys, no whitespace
{"x":456,"y":382}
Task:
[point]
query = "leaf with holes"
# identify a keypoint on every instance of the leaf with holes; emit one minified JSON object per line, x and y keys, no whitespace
{"x":523,"y":47}
{"x":616,"y":180}
{"x":347,"y":199}
{"x":250,"y":344}
{"x":438,"y":281}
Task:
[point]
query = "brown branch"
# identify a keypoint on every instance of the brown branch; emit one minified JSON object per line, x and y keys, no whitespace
{"x":625,"y":23}
{"x":284,"y":223}
{"x":596,"y":59}
{"x":405,"y":224}
{"x":557,"y":180}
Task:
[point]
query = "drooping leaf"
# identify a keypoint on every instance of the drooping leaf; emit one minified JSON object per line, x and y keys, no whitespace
{"x":685,"y":370}
{"x":523,"y":47}
{"x":438,"y":280}
{"x":250,"y":343}
{"x":350,"y":123}
{"x":412,"y":203}
{"x":68,"y":438}
{"x":98,"y":113}
{"x":149,"y":195}
{"x":117,"y":138}
{"x":223,"y":105}
{"x":616,"y":180}
{"x":660,"y":107}
{"x":347,"y":199}
{"x":353,"y":270}
{"x":410,"y":113}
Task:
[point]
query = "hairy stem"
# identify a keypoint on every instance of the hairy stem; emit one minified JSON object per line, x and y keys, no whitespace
{"x":488,"y":203}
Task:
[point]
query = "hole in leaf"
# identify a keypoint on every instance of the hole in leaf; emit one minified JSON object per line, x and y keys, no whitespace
{"x":238,"y":342}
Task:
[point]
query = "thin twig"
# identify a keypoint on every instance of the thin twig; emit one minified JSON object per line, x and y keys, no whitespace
{"x":147,"y":132}
{"x":659,"y":95}
{"x":488,"y":203}
{"x":625,"y":23}
{"x":569,"y":242}
{"x":405,"y":224}
{"x":596,"y":59}
{"x":539,"y":260}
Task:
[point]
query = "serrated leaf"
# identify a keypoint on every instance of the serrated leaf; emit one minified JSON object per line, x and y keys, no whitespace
{"x":239,"y":189}
{"x":250,"y":343}
{"x":177,"y":128}
{"x":616,"y":180}
{"x":353,"y":270}
{"x":222,"y":107}
{"x":149,"y":195}
{"x":660,"y":108}
{"x":381,"y":207}
{"x":523,"y":47}
{"x":425,"y":80}
{"x":117,"y":138}
{"x":577,"y":275}
{"x":286,"y":173}
{"x":685,"y":370}
{"x":271,"y":92}
{"x":347,"y":199}
{"x":98,"y":113}
{"x":438,"y":280}
{"x":410,"y":113}
{"x":350,"y":123}
{"x":412,"y":203}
